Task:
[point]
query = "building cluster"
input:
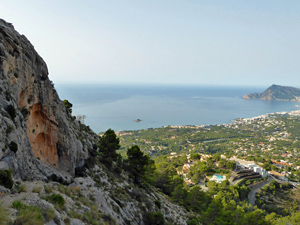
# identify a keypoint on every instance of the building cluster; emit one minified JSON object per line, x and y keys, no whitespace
{"x":251,"y":166}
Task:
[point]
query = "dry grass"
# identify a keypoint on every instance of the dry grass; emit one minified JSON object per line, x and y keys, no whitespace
{"x":4,"y":215}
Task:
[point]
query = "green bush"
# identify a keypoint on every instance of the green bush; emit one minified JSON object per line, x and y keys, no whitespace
{"x":192,"y":221}
{"x":56,"y":199}
{"x":6,"y":178}
{"x":154,"y":218}
{"x":68,"y":105}
{"x":18,"y":205}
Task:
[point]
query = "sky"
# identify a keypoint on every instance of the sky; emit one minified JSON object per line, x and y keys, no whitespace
{"x":212,"y":42}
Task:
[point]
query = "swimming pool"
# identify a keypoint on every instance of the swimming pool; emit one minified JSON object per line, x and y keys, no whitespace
{"x":219,"y":177}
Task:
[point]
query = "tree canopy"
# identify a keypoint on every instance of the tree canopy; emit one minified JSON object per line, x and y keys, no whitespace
{"x":109,"y":144}
{"x":140,"y":166}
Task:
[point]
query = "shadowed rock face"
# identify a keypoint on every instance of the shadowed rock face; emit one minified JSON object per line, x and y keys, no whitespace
{"x":46,"y":131}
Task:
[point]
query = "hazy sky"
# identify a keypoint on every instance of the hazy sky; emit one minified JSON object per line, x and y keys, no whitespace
{"x":222,"y":42}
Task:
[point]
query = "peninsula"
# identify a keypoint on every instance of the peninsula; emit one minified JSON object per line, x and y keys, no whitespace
{"x":278,"y":93}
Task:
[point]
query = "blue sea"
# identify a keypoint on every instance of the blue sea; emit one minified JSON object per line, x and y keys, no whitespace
{"x":118,"y":106}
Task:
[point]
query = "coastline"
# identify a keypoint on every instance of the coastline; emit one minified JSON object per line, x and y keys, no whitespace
{"x":236,"y":121}
{"x":118,"y":107}
{"x":239,"y":120}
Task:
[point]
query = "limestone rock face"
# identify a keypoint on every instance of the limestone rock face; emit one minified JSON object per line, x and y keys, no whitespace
{"x":38,"y":137}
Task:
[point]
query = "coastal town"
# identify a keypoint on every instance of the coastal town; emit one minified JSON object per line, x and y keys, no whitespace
{"x":263,"y":146}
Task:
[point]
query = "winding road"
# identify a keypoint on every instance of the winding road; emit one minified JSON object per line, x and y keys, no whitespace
{"x":255,"y":188}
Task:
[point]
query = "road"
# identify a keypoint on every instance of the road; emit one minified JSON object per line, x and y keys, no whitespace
{"x":222,"y":139}
{"x":255,"y":188}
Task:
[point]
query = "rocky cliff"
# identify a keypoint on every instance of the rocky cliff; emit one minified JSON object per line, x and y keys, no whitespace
{"x":278,"y":93}
{"x":42,"y":143}
{"x":38,"y":138}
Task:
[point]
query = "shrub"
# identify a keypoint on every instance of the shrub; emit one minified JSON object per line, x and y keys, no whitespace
{"x":68,"y":105}
{"x":13,"y":146}
{"x":18,"y":205}
{"x":56,"y":199}
{"x":192,"y":221}
{"x":154,"y":218}
{"x":6,"y":178}
{"x":11,"y":111}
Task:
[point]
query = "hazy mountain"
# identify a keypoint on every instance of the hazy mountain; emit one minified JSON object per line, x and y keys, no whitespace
{"x":277,"y":92}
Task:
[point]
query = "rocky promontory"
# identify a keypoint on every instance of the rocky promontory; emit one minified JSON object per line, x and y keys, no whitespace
{"x":278,"y":93}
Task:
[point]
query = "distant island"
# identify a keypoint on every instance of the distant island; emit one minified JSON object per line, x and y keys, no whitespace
{"x":278,"y":93}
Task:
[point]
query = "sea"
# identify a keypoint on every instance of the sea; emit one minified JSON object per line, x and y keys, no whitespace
{"x":119,"y":106}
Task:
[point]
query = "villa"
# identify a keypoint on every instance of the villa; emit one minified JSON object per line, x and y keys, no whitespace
{"x":251,"y":166}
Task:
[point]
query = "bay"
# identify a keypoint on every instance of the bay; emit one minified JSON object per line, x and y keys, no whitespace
{"x":118,"y":106}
